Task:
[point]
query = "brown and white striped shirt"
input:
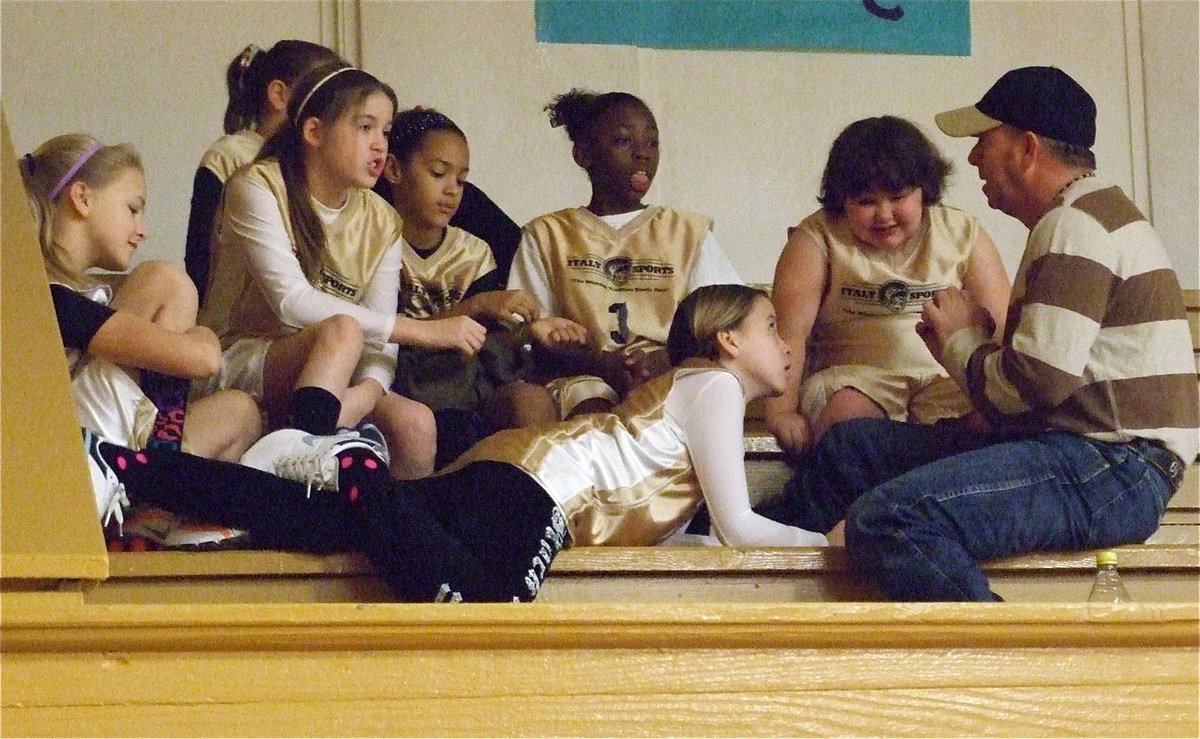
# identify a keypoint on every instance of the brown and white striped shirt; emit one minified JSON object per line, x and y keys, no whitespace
{"x":1096,"y":342}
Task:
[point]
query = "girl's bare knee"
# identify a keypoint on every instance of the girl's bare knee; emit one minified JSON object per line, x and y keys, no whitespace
{"x":246,"y":410}
{"x":161,"y":292}
{"x":165,"y":278}
{"x":340,"y":332}
{"x":412,"y":435}
{"x":419,"y":422}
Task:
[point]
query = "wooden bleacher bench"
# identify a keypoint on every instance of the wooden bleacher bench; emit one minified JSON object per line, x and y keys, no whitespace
{"x":1165,"y":568}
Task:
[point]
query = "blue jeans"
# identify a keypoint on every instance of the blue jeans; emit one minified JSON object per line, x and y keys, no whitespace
{"x":926,"y":503}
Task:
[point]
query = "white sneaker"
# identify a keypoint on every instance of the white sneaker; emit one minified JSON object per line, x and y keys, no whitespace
{"x":111,"y":500}
{"x":297,"y":455}
{"x":176,"y":532}
{"x":370,"y":432}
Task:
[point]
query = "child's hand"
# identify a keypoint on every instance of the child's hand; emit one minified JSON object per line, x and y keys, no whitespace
{"x":612,"y":368}
{"x":460,"y":332}
{"x":792,"y":430}
{"x":973,"y":424}
{"x":504,"y":305}
{"x":554,"y":331}
{"x":646,"y":364}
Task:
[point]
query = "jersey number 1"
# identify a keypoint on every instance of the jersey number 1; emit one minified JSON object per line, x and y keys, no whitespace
{"x":621,"y":335}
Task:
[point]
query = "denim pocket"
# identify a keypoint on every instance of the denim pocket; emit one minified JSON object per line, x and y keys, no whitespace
{"x":1126,"y":499}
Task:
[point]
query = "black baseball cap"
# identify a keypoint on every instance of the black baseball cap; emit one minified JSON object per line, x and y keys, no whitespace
{"x":1044,"y":100}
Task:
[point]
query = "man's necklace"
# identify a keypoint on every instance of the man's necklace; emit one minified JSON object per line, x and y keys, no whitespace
{"x":1073,"y":180}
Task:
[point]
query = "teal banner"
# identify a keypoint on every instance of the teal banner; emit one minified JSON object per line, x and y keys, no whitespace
{"x":935,"y":27}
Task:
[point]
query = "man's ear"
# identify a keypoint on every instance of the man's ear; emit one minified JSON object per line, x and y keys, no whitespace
{"x":728,"y":343}
{"x":1028,"y":148}
{"x":582,"y":156}
{"x":310,"y":129}
{"x":278,"y":94}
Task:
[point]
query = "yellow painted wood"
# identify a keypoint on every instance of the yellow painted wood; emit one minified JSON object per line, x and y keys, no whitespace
{"x":1188,"y":495}
{"x":600,"y":560}
{"x":50,"y":527}
{"x":601,"y":669}
{"x":30,"y":627}
{"x":1165,"y":572}
{"x":1117,"y":710}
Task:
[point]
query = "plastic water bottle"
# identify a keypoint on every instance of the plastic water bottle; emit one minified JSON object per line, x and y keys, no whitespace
{"x":1108,"y":587}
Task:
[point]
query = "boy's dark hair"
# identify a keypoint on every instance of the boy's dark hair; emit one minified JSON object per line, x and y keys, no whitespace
{"x":885,"y":153}
{"x":579,"y":109}
{"x":248,"y":75}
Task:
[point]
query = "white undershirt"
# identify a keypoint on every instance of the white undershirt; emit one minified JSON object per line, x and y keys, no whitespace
{"x":703,"y":405}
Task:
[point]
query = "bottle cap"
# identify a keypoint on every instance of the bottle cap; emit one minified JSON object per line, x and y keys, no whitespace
{"x":1107,"y":557}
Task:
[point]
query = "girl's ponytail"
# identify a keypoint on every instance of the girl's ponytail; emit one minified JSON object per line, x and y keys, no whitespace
{"x":242,"y":110}
{"x":253,"y":69}
{"x":577,"y":109}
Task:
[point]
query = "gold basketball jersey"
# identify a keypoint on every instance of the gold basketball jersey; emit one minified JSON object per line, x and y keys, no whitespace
{"x":623,"y":284}
{"x":623,"y":478}
{"x":431,"y":285}
{"x":356,"y":241}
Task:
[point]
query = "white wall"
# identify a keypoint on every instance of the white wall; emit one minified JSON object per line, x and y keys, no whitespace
{"x":745,"y":133}
{"x":1170,"y":49}
{"x":148,"y":73}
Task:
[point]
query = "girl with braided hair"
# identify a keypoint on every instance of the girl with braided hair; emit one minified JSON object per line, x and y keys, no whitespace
{"x":260,"y":84}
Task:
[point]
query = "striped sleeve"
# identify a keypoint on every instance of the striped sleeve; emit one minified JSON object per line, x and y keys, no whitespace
{"x":1096,"y":341}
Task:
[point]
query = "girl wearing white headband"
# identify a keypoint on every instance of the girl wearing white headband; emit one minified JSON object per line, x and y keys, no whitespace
{"x":305,"y":284}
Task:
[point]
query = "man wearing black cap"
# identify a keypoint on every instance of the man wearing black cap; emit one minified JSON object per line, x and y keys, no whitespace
{"x":1091,"y":398}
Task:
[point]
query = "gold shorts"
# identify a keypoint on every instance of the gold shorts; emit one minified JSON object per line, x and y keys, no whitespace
{"x":242,"y":367}
{"x":921,"y":398}
{"x":569,"y":392}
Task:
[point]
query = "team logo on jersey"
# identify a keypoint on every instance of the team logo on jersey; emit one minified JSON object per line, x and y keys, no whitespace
{"x":335,"y":284}
{"x":424,"y":300}
{"x":620,"y":271}
{"x":617,"y":269}
{"x":891,"y":297}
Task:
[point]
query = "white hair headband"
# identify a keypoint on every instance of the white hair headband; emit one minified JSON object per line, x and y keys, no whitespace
{"x":316,"y":87}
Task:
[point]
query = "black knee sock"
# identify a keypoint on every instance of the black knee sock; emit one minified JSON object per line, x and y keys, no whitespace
{"x":278,"y":513}
{"x":169,"y":395}
{"x":315,"y":410}
{"x":361,"y":475}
